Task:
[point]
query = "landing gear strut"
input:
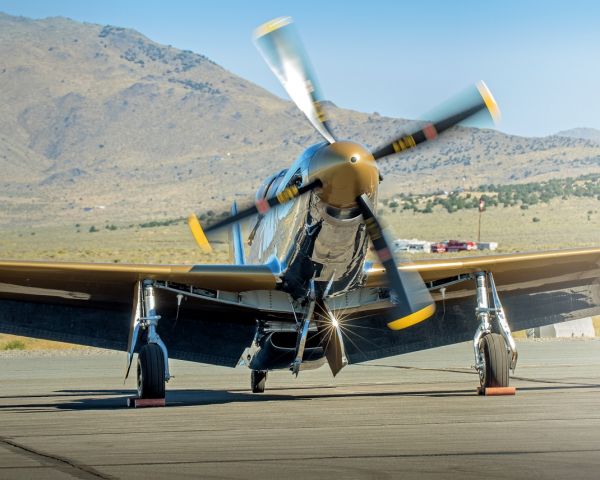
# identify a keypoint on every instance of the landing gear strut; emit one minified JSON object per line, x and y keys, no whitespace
{"x":303,"y":330}
{"x":495,"y":353}
{"x":153,"y":359}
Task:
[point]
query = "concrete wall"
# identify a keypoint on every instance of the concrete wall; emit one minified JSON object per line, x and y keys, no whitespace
{"x":584,"y":327}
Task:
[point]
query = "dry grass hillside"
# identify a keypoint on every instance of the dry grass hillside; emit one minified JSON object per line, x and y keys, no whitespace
{"x":574,"y":222}
{"x":99,"y":123}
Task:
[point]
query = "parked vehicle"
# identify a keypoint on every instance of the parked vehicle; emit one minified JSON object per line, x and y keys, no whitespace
{"x":453,"y":246}
{"x":412,"y":246}
{"x":439,"y":247}
{"x":460,"y":246}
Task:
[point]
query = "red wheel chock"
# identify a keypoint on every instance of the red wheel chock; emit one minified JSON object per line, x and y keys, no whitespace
{"x":495,"y":391}
{"x":134,"y":402}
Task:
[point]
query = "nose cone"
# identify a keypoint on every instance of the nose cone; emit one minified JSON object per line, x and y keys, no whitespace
{"x":347,"y":170}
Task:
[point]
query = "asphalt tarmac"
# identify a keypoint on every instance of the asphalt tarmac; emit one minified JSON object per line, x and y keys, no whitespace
{"x":413,"y":416}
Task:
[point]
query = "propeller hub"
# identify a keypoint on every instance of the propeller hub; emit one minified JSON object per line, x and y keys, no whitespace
{"x":346,"y":170}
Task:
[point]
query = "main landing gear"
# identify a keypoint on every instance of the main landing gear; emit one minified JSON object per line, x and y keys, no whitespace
{"x":151,"y":372}
{"x":153,"y":359}
{"x":495,"y":354}
{"x":494,"y":370}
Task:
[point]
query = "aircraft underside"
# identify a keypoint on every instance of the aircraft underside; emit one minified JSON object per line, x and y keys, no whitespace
{"x":263,"y":329}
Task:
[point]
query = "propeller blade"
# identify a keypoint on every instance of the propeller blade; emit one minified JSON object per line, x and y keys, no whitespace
{"x":264,"y":205}
{"x":476,"y":100}
{"x":198,"y":233}
{"x":413,"y":303}
{"x":280,"y":46}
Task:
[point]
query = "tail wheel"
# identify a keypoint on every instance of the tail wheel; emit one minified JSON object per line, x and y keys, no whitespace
{"x":494,"y":373}
{"x":258,"y":380}
{"x":151,"y":372}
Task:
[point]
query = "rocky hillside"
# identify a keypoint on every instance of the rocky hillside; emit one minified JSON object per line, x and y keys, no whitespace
{"x":100,"y":120}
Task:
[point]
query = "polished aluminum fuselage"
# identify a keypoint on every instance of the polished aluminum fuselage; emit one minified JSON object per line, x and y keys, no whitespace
{"x":307,"y":238}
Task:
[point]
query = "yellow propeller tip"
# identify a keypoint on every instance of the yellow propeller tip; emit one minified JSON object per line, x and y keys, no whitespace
{"x":413,"y":318}
{"x":271,"y":26}
{"x":198,"y":233}
{"x":489,"y":100}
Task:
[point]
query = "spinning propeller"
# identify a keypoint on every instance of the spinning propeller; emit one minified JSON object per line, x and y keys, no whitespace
{"x":280,"y":46}
{"x":339,"y":169}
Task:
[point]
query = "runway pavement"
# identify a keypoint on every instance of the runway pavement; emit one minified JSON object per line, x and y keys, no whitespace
{"x":413,"y":416}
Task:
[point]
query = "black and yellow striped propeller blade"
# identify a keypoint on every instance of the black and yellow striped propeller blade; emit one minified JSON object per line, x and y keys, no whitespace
{"x":261,"y":206}
{"x":412,"y":301}
{"x":476,"y":100}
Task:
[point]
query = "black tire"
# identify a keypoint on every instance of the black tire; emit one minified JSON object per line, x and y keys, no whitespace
{"x":151,"y":372}
{"x":495,"y":358}
{"x":258,"y":381}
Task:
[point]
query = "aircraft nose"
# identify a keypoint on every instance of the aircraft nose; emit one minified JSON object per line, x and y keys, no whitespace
{"x":346,"y":170}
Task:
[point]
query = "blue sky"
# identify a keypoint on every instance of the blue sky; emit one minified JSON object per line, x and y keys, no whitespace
{"x":541,"y":59}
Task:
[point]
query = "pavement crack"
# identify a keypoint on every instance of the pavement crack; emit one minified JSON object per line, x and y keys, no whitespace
{"x":63,"y":464}
{"x":355,"y":457}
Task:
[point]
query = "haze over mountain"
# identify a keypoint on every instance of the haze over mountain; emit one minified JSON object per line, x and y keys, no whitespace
{"x":584,"y":133}
{"x":94,"y":115}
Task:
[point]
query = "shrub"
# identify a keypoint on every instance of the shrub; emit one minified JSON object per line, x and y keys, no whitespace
{"x":15,"y":345}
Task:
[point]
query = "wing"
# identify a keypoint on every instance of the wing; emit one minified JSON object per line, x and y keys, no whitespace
{"x":535,"y":289}
{"x":90,"y":304}
{"x":512,"y":268}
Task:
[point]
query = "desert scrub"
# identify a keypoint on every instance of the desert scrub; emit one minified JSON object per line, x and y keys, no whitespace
{"x":14,"y":345}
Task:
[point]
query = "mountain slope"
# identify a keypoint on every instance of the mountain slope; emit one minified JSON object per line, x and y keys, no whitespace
{"x":96,"y":115}
{"x":583,"y":133}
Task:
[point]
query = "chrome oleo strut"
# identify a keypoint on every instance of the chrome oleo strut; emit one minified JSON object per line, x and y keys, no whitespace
{"x":485,"y":313}
{"x":144,"y":301}
{"x":303,"y":330}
